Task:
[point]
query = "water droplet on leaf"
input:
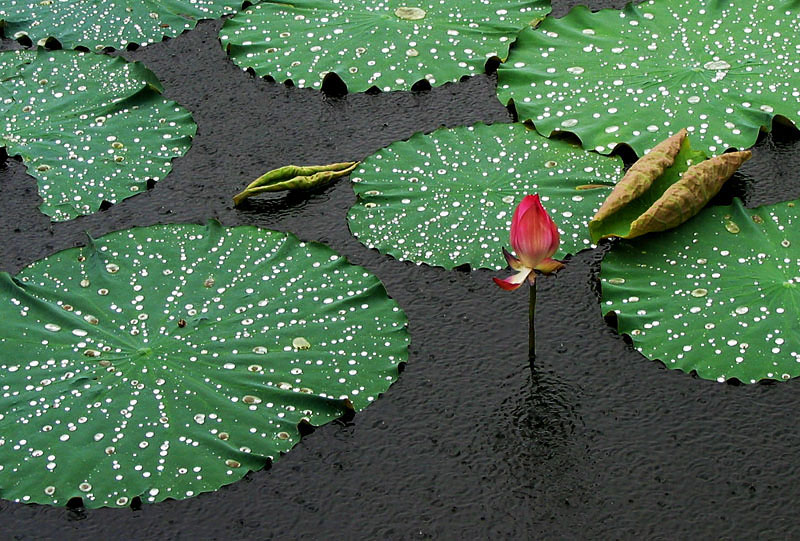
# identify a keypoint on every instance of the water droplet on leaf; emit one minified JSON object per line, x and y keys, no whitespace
{"x":301,"y":343}
{"x":717,"y":65}
{"x":410,"y":13}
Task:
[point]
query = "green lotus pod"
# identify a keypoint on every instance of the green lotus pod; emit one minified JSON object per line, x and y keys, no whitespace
{"x":663,"y":189}
{"x":294,"y":177}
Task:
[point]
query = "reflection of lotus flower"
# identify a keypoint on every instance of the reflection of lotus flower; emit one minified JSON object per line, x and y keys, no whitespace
{"x":535,"y":239}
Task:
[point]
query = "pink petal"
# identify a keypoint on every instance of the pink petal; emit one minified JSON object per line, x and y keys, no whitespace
{"x":549,"y":265}
{"x":513,"y":282}
{"x":512,"y":261}
{"x":534,"y":235}
{"x":521,"y":209}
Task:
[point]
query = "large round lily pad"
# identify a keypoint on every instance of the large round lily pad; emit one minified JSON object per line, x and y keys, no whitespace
{"x":166,"y":361}
{"x":98,"y":24}
{"x":720,"y":295}
{"x":719,"y":68}
{"x":447,"y":198}
{"x":89,"y":127}
{"x":389,"y":45}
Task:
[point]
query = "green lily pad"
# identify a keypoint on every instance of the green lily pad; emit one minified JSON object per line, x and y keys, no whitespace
{"x":98,"y":24}
{"x":167,"y":361}
{"x":374,"y":43}
{"x":720,"y":295}
{"x":447,"y":198}
{"x":89,"y":127}
{"x":719,"y":68}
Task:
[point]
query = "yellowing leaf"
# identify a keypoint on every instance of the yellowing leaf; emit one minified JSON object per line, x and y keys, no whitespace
{"x":641,"y":175}
{"x":686,"y":197}
{"x":663,"y":189}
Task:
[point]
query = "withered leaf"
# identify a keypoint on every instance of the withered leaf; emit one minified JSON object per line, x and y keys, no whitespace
{"x":663,"y":189}
{"x":641,"y":175}
{"x":690,"y":194}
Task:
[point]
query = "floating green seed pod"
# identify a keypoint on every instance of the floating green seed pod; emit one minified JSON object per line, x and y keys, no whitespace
{"x":294,"y":177}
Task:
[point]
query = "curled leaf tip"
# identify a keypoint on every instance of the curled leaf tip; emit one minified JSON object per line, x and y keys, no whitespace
{"x":512,"y":261}
{"x":641,"y":175}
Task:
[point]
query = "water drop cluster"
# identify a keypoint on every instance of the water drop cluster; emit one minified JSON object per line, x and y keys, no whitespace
{"x":374,"y":43}
{"x":124,"y":374}
{"x":447,"y":198}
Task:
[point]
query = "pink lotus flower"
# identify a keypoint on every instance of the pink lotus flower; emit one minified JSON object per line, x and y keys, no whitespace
{"x":535,"y":238}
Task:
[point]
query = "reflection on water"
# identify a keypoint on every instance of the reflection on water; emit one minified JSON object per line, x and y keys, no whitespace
{"x":538,"y":422}
{"x":539,"y":445}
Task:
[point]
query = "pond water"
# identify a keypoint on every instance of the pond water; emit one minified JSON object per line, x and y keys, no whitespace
{"x":596,"y":442}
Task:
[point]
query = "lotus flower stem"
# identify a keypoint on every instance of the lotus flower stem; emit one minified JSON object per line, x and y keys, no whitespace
{"x":531,"y":330}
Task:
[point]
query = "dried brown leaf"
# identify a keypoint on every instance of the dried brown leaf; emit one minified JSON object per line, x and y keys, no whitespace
{"x":641,"y":175}
{"x":686,"y":197}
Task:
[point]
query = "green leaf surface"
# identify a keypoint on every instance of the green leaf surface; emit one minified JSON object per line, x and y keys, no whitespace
{"x":88,"y":127}
{"x":97,"y":24}
{"x":447,"y":198}
{"x":720,"y":295}
{"x":167,"y":361}
{"x":719,"y":68}
{"x":389,"y":45}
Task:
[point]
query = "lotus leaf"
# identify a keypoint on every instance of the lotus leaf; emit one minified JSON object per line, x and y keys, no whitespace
{"x":166,"y":361}
{"x":447,"y":198}
{"x":89,"y":127}
{"x":719,"y":295}
{"x":389,"y":45}
{"x":99,"y":24}
{"x":720,"y":68}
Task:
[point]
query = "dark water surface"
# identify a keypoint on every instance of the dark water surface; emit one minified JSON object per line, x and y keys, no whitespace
{"x":597,"y":443}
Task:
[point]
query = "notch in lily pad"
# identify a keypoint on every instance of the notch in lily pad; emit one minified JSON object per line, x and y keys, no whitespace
{"x":294,"y":177}
{"x":663,"y":189}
